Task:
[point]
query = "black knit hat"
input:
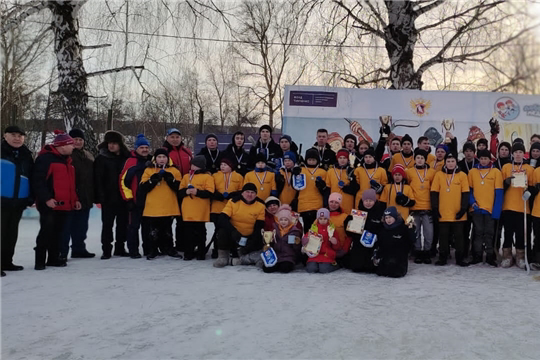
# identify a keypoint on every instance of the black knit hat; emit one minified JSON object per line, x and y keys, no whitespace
{"x":210,"y":136}
{"x":406,"y":137}
{"x":312,"y":154}
{"x":260,"y":158}
{"x":449,"y":156}
{"x":76,"y":133}
{"x":483,"y":153}
{"x":482,"y":141}
{"x":199,"y":161}
{"x":350,"y":136}
{"x":518,"y":146}
{"x":535,"y":145}
{"x":370,"y":151}
{"x":420,"y":152}
{"x":249,"y":187}
{"x":267,"y":127}
{"x":161,"y":151}
{"x":469,"y":145}
{"x":506,"y":144}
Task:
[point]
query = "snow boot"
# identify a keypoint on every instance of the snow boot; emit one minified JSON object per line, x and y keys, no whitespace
{"x":223,"y":259}
{"x":3,"y":273}
{"x":460,"y":260}
{"x":491,"y":260}
{"x":427,"y":258}
{"x":152,"y":255}
{"x":507,"y":259}
{"x":476,"y":259}
{"x":418,"y":257}
{"x":173,"y":253}
{"x":40,"y":259}
{"x":520,"y":258}
{"x":442,"y":260}
{"x":214,"y":253}
{"x":119,"y":250}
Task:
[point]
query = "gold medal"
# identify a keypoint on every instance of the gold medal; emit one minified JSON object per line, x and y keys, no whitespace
{"x":262,"y":188}
{"x":447,"y":189}
{"x":312,"y":178}
{"x":482,"y":182}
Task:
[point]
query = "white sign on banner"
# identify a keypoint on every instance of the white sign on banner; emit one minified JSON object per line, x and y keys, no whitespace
{"x":345,"y":111}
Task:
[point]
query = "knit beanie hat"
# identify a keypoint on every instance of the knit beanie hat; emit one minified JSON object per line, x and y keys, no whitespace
{"x":209,"y":136}
{"x":506,"y":144}
{"x":335,"y":196}
{"x":518,"y":146}
{"x":76,"y":133}
{"x":482,"y":141}
{"x":407,"y":137}
{"x":141,"y":141}
{"x":483,"y":153}
{"x":391,"y":211}
{"x":284,"y":211}
{"x":442,"y":146}
{"x":272,"y":200}
{"x":420,"y":152}
{"x":535,"y":145}
{"x":370,"y":151}
{"x":62,"y":139}
{"x":249,"y":187}
{"x":199,"y":161}
{"x":312,"y":154}
{"x":227,"y":161}
{"x":161,"y":151}
{"x":265,"y":127}
{"x":260,"y":158}
{"x":469,"y":145}
{"x":399,"y":169}
{"x":286,"y":137}
{"x":324,"y":213}
{"x":350,"y":136}
{"x":449,"y":156}
{"x":342,"y":152}
{"x":369,"y":194}
{"x":289,"y":155}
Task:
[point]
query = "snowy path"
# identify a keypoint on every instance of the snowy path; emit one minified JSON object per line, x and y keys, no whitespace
{"x":172,"y":309}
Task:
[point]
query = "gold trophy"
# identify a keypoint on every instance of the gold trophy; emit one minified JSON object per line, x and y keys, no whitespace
{"x":448,"y":124}
{"x":385,"y":120}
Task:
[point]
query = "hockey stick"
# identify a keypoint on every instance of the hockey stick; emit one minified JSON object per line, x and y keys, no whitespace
{"x":498,"y":244}
{"x":405,"y":123}
{"x":252,"y":141}
{"x":525,"y":198}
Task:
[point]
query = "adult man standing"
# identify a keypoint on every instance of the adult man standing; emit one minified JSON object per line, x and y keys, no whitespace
{"x":266,"y":146}
{"x":129,"y":188}
{"x":77,"y":221}
{"x":327,"y":157}
{"x":17,"y":163}
{"x":179,"y":154}
{"x":113,"y":153}
{"x":53,"y":182}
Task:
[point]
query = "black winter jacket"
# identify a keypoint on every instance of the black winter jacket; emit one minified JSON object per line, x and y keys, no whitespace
{"x":393,"y":246}
{"x":107,"y":170}
{"x":83,"y":162}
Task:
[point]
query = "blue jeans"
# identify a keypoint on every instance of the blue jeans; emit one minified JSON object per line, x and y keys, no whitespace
{"x":75,"y":229}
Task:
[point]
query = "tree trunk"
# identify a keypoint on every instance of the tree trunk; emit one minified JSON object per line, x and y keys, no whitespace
{"x":401,"y":35}
{"x":72,"y":79}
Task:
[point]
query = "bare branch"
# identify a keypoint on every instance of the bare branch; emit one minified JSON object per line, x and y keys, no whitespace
{"x":109,"y":71}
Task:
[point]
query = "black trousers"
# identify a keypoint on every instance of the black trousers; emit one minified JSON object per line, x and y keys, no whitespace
{"x":136,"y":221}
{"x":110,"y":213}
{"x":282,"y":267}
{"x":435,"y":234}
{"x":50,"y":234}
{"x":11,"y":216}
{"x":514,"y":226}
{"x":195,"y":238}
{"x":308,"y":218}
{"x":446,"y":231}
{"x":160,"y":233}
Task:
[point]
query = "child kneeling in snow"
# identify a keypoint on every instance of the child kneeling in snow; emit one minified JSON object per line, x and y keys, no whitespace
{"x":394,"y":242}
{"x":324,"y":260}
{"x":286,"y":242}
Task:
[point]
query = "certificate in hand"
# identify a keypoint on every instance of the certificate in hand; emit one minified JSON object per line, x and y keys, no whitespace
{"x":313,"y":246}
{"x":356,"y":225}
{"x":520,"y":179}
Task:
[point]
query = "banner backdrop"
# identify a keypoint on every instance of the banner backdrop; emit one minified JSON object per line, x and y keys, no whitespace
{"x":342,"y":111}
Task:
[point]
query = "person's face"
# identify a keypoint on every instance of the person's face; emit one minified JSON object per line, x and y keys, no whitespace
{"x":143,"y":150}
{"x":239,"y":140}
{"x":469,"y":154}
{"x":311,"y":161}
{"x":535,"y":140}
{"x":174,"y":139}
{"x":113,"y":147}
{"x":288,"y":163}
{"x":451,"y":163}
{"x":65,"y":150}
{"x":504,"y":152}
{"x":78,"y":143}
{"x":225,"y":168}
{"x":272,"y":209}
{"x":265,"y":135}
{"x":322,"y":220}
{"x":349,"y":144}
{"x":395,"y":146}
{"x":518,"y":155}
{"x":334,"y":205}
{"x":389,"y":220}
{"x":285,"y":145}
{"x":485,"y":161}
{"x":419,"y":160}
{"x":398,"y":178}
{"x":342,"y":161}
{"x":162,"y":160}
{"x":362,"y":148}
{"x":322,"y":138}
{"x":407,"y":146}
{"x":535,"y":153}
{"x":440,"y":154}
{"x":249,"y":195}
{"x":424,"y":145}
{"x":368,"y":159}
{"x":368,"y":203}
{"x":15,"y":140}
{"x":260,"y":165}
{"x":211,"y":143}
{"x":481,"y":146}
{"x":284,"y":222}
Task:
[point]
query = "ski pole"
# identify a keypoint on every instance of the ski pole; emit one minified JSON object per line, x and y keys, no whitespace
{"x":525,"y":197}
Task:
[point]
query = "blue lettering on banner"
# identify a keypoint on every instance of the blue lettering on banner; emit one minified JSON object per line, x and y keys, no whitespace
{"x":313,"y":98}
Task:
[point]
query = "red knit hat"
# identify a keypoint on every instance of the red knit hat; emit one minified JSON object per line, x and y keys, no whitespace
{"x":228,"y":162}
{"x":343,"y":152}
{"x":62,"y":139}
{"x":399,"y":169}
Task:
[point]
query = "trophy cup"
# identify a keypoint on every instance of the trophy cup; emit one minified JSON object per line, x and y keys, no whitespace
{"x":385,"y":120}
{"x":448,"y":124}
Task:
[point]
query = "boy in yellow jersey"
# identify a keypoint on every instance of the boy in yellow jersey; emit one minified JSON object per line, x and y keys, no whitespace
{"x":405,"y":157}
{"x":449,"y":202}
{"x":314,"y":192}
{"x":466,"y":164}
{"x":398,"y":193}
{"x":159,"y":184}
{"x":440,"y":152}
{"x":241,"y":222}
{"x":196,"y":189}
{"x":262,"y":177}
{"x":423,"y":143}
{"x":228,"y":184}
{"x":486,"y":198}
{"x":286,"y":193}
{"x":369,"y":175}
{"x":340,"y":179}
{"x":535,"y":261}
{"x":517,"y":176}
{"x":419,"y":179}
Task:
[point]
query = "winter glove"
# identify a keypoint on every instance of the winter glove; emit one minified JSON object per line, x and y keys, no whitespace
{"x":280,"y":181}
{"x":218,"y":196}
{"x":294,"y":205}
{"x":385,"y":130}
{"x":168,"y":177}
{"x":460,"y":214}
{"x":494,"y":126}
{"x":401,"y":199}
{"x":533,"y":190}
{"x":154,"y":179}
{"x":296,"y":170}
{"x":508,"y":181}
{"x":376,"y":186}
{"x":320,"y":184}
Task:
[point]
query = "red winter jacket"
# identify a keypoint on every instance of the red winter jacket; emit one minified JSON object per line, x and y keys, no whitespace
{"x":269,"y":221}
{"x":327,"y":254}
{"x":180,"y":155}
{"x":54,"y":178}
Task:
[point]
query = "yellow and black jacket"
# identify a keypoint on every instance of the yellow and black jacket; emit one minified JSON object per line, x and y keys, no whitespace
{"x":420,"y":179}
{"x":196,"y":207}
{"x":348,"y":190}
{"x":450,"y":195}
{"x":227,"y":186}
{"x":160,"y":186}
{"x":399,"y":195}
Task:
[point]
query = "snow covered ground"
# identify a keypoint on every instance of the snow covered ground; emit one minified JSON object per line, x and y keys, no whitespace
{"x":173,"y":309}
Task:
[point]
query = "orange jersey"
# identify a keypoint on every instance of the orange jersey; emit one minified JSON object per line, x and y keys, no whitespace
{"x":512,"y":195}
{"x":420,"y":182}
{"x":450,"y":187}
